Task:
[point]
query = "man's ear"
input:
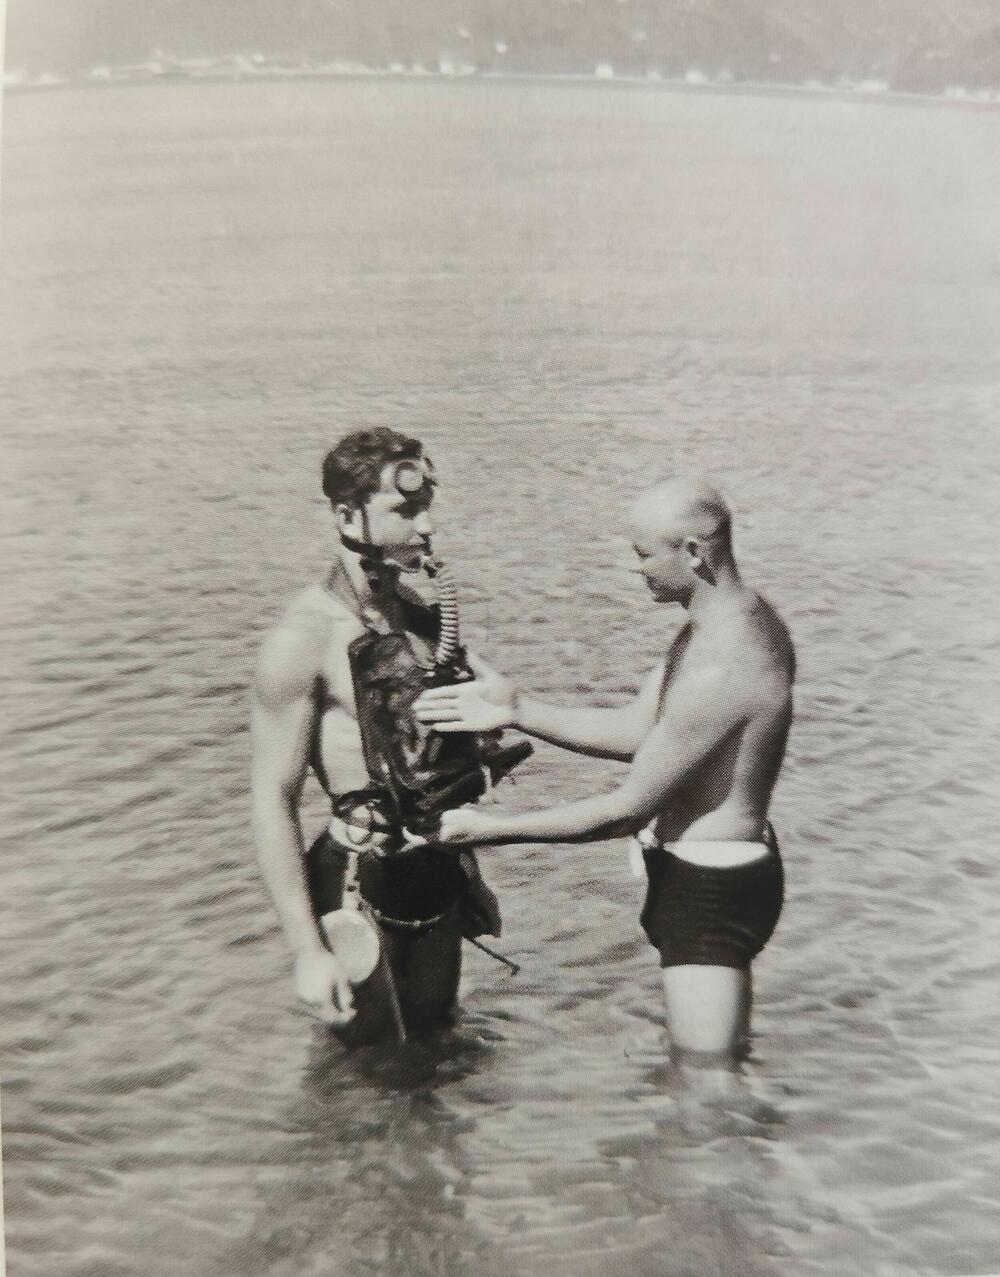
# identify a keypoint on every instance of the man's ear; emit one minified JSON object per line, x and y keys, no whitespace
{"x":696,"y":557}
{"x":697,"y":560}
{"x":347,"y":518}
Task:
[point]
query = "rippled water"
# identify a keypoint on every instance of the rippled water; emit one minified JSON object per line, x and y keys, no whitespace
{"x":566,"y":292}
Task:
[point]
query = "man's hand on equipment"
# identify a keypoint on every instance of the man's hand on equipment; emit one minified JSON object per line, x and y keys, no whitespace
{"x":323,"y":988}
{"x":464,"y":825}
{"x":483,"y":705}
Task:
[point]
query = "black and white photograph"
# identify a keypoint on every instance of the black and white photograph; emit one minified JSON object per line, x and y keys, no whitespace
{"x":500,"y":640}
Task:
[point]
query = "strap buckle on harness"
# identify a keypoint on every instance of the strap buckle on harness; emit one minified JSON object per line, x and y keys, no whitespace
{"x":356,"y":838}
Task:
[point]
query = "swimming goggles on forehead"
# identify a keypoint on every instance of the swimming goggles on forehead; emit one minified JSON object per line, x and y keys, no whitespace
{"x":413,"y":476}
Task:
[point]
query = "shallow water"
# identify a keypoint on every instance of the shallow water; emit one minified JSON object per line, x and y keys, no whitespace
{"x":566,"y":291}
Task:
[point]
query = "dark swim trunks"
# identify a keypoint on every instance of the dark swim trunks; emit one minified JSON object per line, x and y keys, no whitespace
{"x":704,"y":916}
{"x":416,"y":899}
{"x":413,"y":890}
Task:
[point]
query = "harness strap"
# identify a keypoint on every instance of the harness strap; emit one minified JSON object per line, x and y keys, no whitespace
{"x":352,"y":888}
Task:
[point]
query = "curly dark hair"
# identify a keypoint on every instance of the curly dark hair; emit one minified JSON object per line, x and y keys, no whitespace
{"x":352,"y":471}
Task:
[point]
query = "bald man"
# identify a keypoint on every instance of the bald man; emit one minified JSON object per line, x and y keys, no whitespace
{"x":705,"y":736}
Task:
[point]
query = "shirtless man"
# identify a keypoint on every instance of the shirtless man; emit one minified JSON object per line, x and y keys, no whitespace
{"x":706,"y":737}
{"x":380,"y":486}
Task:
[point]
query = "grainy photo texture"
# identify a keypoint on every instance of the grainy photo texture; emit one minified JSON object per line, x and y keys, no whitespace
{"x":500,"y":638}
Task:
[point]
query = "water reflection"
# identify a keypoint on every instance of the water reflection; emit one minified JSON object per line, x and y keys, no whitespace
{"x":388,"y":1174}
{"x":703,"y":1177}
{"x":372,"y":1186}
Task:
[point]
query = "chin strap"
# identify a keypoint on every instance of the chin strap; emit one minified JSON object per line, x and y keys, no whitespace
{"x":367,"y":552}
{"x":374,"y":560}
{"x":380,"y":570}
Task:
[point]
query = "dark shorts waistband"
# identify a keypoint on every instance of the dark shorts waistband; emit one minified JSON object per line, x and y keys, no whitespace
{"x":698,"y":915}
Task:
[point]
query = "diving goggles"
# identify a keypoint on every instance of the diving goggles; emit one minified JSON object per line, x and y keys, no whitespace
{"x":412,"y":476}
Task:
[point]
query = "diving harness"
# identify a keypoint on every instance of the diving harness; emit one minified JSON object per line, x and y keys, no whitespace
{"x":416,"y":773}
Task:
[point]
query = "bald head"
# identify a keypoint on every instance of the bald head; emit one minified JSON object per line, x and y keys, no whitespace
{"x":680,"y":531}
{"x":680,"y":509}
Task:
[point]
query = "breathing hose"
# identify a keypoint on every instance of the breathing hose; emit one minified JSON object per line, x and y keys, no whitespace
{"x":447,"y":598}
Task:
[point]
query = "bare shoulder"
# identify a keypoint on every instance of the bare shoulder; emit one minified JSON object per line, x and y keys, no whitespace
{"x":767,"y":651}
{"x":293,"y":651}
{"x":773,"y":638}
{"x":748,"y":659}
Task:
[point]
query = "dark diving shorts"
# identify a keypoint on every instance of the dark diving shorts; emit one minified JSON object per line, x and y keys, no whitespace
{"x":418,"y":888}
{"x":698,"y":915}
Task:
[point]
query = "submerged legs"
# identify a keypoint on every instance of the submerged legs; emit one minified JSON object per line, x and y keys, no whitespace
{"x":708,"y":1008}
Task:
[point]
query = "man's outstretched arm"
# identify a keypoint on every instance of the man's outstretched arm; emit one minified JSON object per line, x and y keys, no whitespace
{"x":491,"y":701}
{"x":702,"y":715}
{"x":282,"y":725}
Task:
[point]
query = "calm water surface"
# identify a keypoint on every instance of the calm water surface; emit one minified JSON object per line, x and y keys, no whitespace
{"x":567,"y":292}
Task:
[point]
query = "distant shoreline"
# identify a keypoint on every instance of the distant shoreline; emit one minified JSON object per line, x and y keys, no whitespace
{"x":956,"y":97}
